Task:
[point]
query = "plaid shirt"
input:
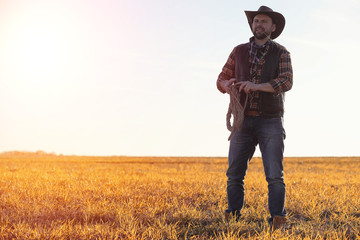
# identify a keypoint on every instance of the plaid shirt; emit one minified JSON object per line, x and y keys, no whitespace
{"x":281,"y":84}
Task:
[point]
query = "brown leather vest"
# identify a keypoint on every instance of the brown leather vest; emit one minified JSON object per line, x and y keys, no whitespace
{"x":270,"y":104}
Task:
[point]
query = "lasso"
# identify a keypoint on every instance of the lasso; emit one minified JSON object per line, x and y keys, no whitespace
{"x":236,"y":109}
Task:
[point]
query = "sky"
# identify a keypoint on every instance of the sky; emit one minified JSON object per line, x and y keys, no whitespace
{"x":138,"y":77}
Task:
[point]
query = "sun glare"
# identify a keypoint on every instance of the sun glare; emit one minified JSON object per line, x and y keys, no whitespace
{"x":36,"y":50}
{"x":35,"y":44}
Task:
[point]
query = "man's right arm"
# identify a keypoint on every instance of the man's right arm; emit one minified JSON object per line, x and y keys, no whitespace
{"x":227,"y":76}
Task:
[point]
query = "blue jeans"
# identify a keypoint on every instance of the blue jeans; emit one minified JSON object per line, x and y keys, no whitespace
{"x":269,"y":134}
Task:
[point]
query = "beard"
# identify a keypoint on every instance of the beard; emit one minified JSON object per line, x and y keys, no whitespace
{"x":261,"y":35}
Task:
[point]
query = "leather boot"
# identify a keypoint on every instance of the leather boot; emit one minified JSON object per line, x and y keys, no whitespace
{"x":279,"y":222}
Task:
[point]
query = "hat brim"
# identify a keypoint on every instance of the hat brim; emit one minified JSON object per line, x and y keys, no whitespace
{"x":277,"y":18}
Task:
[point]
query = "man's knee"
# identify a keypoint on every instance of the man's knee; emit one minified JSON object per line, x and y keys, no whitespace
{"x":275,"y":181}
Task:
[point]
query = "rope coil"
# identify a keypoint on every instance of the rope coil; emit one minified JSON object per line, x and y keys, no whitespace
{"x":236,"y":109}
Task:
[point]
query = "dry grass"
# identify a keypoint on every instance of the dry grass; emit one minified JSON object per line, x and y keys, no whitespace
{"x":68,"y":197}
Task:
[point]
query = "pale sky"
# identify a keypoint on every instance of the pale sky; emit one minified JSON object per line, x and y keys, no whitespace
{"x":137,"y":77}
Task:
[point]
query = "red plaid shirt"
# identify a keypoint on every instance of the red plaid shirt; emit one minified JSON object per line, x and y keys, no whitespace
{"x":281,"y":84}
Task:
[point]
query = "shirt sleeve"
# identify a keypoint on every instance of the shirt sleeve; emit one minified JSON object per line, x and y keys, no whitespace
{"x":284,"y":81}
{"x":228,"y":71}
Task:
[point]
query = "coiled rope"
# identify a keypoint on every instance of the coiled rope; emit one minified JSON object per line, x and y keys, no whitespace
{"x":236,"y":109}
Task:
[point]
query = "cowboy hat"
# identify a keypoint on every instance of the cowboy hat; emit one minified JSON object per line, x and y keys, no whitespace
{"x":276,"y":17}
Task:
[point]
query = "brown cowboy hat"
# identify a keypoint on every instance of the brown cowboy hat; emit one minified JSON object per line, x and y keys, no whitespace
{"x":276,"y":17}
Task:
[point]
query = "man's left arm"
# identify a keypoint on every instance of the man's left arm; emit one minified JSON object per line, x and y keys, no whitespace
{"x":284,"y":81}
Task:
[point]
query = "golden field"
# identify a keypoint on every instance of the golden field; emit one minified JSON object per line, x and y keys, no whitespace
{"x":44,"y":196}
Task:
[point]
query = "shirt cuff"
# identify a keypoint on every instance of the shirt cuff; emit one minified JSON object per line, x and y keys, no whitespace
{"x":219,"y":86}
{"x":276,"y":86}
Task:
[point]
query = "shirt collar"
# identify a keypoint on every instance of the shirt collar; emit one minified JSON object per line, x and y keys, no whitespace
{"x":257,"y":52}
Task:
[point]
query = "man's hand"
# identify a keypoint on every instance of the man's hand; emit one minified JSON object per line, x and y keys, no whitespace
{"x":248,"y":87}
{"x":226,"y":84}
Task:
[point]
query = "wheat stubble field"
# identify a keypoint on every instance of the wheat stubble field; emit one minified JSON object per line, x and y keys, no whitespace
{"x":46,"y":196}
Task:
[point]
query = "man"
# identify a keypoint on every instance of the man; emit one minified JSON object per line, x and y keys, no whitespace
{"x":261,"y":69}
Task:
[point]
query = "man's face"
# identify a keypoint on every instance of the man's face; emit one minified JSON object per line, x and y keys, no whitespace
{"x":262,"y":26}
